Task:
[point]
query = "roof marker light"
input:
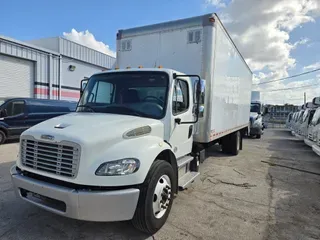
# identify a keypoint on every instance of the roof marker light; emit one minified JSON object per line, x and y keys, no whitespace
{"x":160,"y":66}
{"x":128,"y":67}
{"x":211,"y":19}
{"x":140,"y":66}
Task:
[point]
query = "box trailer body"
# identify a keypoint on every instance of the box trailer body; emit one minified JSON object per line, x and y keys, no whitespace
{"x":201,"y":46}
{"x":138,"y":134}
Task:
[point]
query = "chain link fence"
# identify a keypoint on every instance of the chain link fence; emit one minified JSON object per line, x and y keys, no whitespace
{"x":274,"y":122}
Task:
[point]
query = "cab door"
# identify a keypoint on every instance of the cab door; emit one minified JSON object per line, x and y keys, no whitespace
{"x":182,"y":106}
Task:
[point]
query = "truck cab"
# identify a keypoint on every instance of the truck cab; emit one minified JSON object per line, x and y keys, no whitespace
{"x":314,"y":125}
{"x":297,"y":122}
{"x":304,"y":122}
{"x":289,"y":120}
{"x":138,"y":150}
{"x":256,"y":124}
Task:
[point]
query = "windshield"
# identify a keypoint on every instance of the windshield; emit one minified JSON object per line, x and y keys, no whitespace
{"x":300,"y":115}
{"x":2,"y":100}
{"x":305,"y":115}
{"x":255,"y":107}
{"x":316,"y":117}
{"x":140,"y":93}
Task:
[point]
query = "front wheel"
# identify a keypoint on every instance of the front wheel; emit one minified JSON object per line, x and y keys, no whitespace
{"x":2,"y":137}
{"x":156,"y":197}
{"x":258,"y":136}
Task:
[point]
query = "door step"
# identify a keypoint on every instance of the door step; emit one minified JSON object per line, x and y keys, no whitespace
{"x":184,"y":160}
{"x":187,"y":179}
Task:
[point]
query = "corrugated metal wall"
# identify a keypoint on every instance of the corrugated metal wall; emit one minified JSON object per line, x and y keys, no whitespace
{"x":46,"y":65}
{"x":80,"y":52}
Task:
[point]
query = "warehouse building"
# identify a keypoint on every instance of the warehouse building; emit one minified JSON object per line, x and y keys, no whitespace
{"x":50,"y":68}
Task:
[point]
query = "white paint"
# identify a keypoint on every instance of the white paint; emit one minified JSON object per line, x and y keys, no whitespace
{"x":214,"y":58}
{"x":100,"y":136}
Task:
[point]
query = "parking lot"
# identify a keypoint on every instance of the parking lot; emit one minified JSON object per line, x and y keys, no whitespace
{"x":235,"y":198}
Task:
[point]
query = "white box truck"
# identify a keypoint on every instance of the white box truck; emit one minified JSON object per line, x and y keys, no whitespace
{"x":314,"y":126}
{"x":139,"y":131}
{"x":304,"y":123}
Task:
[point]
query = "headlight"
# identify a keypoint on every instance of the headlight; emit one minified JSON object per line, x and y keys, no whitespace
{"x":118,"y":167}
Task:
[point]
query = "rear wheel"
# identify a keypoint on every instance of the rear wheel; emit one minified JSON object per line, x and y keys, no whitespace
{"x":225,"y":144}
{"x":235,"y":143}
{"x":156,"y":197}
{"x":3,"y":137}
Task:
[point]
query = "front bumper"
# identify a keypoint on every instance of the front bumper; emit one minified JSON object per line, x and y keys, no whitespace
{"x":316,"y":149}
{"x":255,"y":131}
{"x":309,"y":142}
{"x":100,"y":206}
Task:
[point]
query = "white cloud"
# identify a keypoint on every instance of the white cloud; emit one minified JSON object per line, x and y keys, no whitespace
{"x":312,"y":66}
{"x":301,"y":42}
{"x":261,"y":30}
{"x":87,"y":39}
{"x":217,"y":3}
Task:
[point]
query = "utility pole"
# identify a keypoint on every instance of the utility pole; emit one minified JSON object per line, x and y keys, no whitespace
{"x":305,"y":98}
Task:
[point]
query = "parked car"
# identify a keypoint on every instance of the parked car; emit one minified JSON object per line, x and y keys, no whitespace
{"x":19,"y":114}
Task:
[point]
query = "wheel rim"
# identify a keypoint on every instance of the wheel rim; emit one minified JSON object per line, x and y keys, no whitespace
{"x":161,"y":196}
{"x":238,"y":140}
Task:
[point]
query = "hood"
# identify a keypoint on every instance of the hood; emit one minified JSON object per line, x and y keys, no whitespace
{"x":90,"y":128}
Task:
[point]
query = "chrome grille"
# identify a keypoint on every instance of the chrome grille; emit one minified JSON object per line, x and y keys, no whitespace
{"x":57,"y":158}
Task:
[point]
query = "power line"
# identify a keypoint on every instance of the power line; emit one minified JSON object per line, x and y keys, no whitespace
{"x":293,"y":76}
{"x":284,"y":89}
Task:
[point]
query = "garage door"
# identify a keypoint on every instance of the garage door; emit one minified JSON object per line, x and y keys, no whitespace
{"x":16,"y":77}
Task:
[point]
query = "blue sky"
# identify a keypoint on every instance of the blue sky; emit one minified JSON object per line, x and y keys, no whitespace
{"x":33,"y":19}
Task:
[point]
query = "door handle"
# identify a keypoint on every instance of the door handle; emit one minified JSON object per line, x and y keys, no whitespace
{"x":177,"y":120}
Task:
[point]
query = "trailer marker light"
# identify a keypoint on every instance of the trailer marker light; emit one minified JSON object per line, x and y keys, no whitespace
{"x":211,"y":19}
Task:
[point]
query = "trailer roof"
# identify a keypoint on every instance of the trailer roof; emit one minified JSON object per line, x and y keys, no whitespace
{"x":202,"y":20}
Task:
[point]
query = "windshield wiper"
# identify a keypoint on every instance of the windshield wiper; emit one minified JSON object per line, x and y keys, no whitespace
{"x":86,"y":106}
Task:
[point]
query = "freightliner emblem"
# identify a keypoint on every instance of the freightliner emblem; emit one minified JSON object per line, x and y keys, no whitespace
{"x":47,"y":137}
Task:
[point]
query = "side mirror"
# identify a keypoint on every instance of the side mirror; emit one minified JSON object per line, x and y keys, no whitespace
{"x":198,"y":91}
{"x":3,"y":113}
{"x":83,"y":85}
{"x":266,"y":111}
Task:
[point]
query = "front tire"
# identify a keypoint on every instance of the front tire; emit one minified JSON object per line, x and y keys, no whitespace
{"x":258,"y":136}
{"x":156,"y":197}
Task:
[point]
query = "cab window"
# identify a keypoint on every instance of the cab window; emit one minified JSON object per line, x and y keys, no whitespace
{"x":180,"y":101}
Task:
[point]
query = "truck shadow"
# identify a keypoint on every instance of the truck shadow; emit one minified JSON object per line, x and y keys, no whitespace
{"x":21,"y":220}
{"x":293,"y":194}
